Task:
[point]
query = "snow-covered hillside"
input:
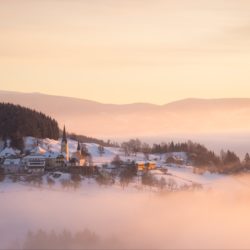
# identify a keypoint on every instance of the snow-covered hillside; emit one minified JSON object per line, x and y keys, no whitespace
{"x":55,"y":146}
{"x":180,"y":175}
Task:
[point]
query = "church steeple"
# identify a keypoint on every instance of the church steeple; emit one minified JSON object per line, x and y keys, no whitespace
{"x":79,"y":147}
{"x":64,"y":145}
{"x":64,"y":138}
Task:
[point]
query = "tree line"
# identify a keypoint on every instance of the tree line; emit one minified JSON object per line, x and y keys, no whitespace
{"x":198,"y":155}
{"x":17,"y":122}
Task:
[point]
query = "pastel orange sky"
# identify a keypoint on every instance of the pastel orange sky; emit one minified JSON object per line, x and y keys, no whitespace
{"x":123,"y":51}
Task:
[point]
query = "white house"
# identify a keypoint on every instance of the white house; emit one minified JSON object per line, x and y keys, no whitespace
{"x":12,"y":165}
{"x":7,"y":152}
{"x":35,"y":162}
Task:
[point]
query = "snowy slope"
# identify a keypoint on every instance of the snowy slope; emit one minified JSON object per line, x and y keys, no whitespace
{"x":55,"y":146}
{"x":182,"y":175}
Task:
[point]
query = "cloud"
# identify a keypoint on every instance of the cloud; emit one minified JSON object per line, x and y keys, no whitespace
{"x":214,"y":219}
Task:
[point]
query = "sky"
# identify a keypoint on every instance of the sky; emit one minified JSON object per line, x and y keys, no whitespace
{"x":125,"y":51}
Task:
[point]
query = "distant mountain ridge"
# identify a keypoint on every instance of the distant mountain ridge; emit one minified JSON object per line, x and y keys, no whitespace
{"x":139,"y":119}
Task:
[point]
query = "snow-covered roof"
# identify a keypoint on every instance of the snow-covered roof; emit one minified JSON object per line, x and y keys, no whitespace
{"x":8,"y":162}
{"x":178,"y":155}
{"x":8,"y":152}
{"x":52,"y":154}
{"x":38,"y":150}
{"x":34,"y":156}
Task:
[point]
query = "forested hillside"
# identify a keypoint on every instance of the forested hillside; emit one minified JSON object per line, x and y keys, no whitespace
{"x":17,"y":122}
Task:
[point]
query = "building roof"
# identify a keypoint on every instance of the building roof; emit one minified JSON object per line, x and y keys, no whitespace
{"x":38,"y":150}
{"x":8,"y":162}
{"x":52,"y":154}
{"x":8,"y":152}
{"x":34,"y":156}
{"x":145,"y":162}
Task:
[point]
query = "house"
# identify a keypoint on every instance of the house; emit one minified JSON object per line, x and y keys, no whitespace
{"x":174,"y":160}
{"x":7,"y":152}
{"x":12,"y":165}
{"x":140,"y":165}
{"x":55,"y":160}
{"x":148,"y":165}
{"x":35,"y":162}
{"x":9,"y":159}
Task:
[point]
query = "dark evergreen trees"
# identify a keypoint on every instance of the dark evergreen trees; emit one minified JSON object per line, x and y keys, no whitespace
{"x":17,"y":122}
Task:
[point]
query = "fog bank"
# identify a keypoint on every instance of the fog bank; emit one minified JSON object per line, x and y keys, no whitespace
{"x":208,"y":219}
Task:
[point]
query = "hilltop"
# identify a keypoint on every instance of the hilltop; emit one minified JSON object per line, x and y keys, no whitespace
{"x":17,"y":122}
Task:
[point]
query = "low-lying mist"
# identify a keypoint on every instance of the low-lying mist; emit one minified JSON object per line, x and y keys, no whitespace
{"x":112,"y":217}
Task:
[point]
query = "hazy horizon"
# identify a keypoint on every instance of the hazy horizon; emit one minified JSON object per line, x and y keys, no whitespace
{"x":126,"y":103}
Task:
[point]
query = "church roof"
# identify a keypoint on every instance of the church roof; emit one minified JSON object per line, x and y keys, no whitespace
{"x":78,"y":146}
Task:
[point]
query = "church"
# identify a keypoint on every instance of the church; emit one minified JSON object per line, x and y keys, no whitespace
{"x":76,"y":159}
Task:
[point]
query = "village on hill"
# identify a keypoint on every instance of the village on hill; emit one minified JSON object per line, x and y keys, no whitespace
{"x":45,"y":155}
{"x":32,"y":144}
{"x":38,"y":159}
{"x":67,"y":156}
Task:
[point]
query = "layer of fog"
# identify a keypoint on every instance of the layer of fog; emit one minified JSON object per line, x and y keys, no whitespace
{"x":215,"y":219}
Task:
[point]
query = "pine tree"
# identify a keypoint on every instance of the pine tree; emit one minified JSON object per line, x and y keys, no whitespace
{"x":17,"y":122}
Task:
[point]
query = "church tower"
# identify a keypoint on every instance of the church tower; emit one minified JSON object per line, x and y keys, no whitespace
{"x":79,"y":148}
{"x":64,"y":145}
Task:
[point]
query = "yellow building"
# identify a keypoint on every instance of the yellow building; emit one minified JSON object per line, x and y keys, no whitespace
{"x":141,"y":165}
{"x":151,"y":165}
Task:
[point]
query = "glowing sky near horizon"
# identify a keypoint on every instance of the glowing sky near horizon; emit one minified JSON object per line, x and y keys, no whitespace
{"x":123,"y":51}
